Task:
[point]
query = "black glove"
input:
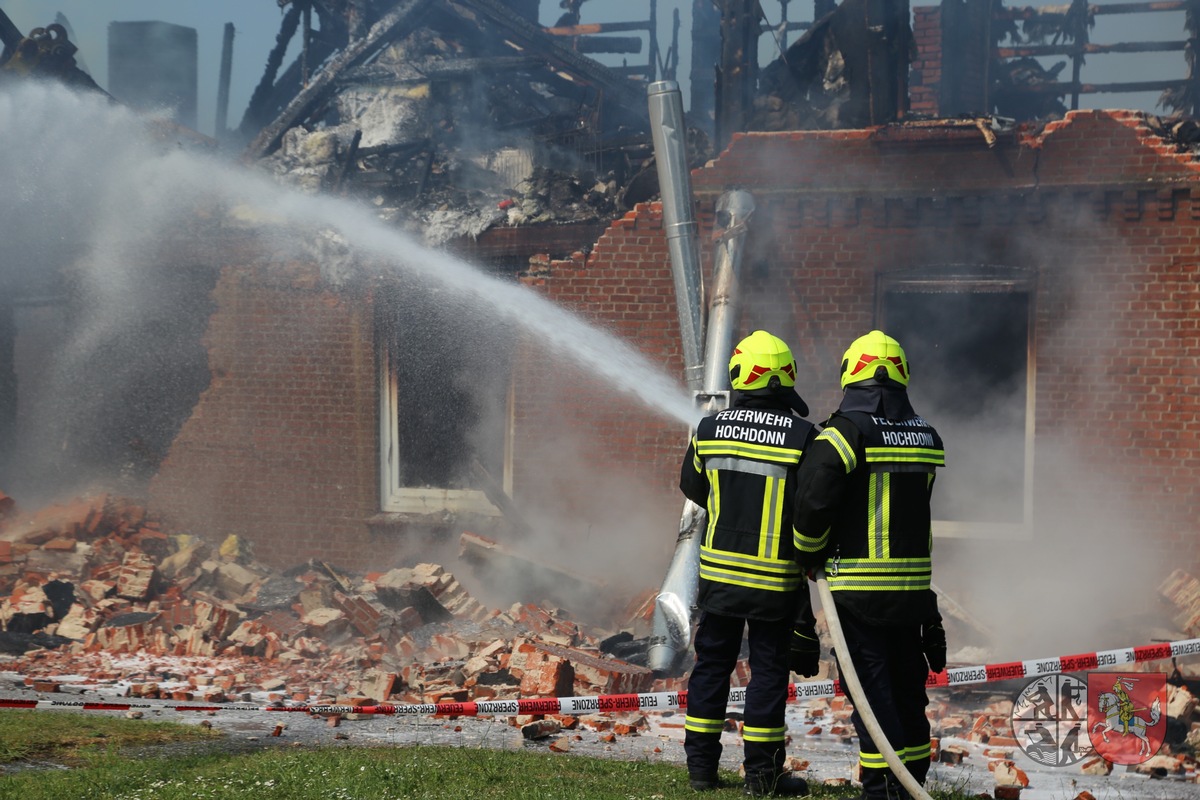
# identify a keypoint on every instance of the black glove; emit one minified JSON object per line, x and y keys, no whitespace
{"x":804,"y":654}
{"x":933,"y":642}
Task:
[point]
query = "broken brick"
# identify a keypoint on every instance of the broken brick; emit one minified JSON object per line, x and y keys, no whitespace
{"x":603,"y":675}
{"x":325,"y":622}
{"x":64,"y":544}
{"x":365,"y":617}
{"x":1006,"y":773}
{"x":136,"y":576}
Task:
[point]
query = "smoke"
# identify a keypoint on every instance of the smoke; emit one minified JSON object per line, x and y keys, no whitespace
{"x":1084,"y":573}
{"x":1041,"y":533}
{"x":619,"y":530}
{"x":86,"y":197}
{"x":106,"y":215}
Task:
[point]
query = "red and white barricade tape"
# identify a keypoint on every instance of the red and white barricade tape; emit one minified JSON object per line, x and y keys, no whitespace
{"x":666,"y":701}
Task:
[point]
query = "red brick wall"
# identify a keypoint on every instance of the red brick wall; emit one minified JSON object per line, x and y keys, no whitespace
{"x":1101,"y":209}
{"x":926,"y":69}
{"x":281,"y":448}
{"x":949,"y":74}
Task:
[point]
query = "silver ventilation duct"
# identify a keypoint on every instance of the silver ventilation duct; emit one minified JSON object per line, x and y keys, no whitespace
{"x":673,"y":608}
{"x":669,"y":130}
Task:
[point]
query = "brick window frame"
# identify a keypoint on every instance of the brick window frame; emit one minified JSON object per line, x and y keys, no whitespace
{"x":1014,"y":285}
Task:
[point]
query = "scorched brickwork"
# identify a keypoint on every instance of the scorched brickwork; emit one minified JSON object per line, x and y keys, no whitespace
{"x":282,"y":448}
{"x":1098,"y":206}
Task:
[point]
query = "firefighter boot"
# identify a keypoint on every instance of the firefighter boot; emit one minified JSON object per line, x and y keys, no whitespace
{"x":773,"y":785}
{"x":881,"y":784}
{"x":703,"y":751}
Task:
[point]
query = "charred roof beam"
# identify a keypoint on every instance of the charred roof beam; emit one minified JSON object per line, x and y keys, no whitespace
{"x":622,"y":93}
{"x":271,"y":94}
{"x":404,"y":16}
{"x":436,"y":69}
{"x":10,"y":35}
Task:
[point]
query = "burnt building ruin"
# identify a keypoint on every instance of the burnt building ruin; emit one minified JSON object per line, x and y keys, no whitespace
{"x":903,"y":176}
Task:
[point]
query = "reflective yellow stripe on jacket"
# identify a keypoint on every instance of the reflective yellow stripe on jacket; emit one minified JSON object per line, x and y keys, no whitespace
{"x":754,"y":572}
{"x":765,"y":569}
{"x":801,"y":540}
{"x":906,"y":455}
{"x":880,"y":574}
{"x":711,"y":448}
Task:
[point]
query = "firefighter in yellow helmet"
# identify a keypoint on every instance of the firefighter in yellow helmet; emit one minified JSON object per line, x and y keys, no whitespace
{"x":740,"y":466}
{"x":861,"y":512}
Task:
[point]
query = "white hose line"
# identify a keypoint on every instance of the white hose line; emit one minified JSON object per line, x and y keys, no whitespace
{"x":853,"y":685}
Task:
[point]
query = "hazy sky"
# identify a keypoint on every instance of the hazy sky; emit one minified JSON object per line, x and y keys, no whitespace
{"x":257,"y":22}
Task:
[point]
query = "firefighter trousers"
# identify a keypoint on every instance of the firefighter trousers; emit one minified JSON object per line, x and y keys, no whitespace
{"x":891,"y":668}
{"x":718,"y":644}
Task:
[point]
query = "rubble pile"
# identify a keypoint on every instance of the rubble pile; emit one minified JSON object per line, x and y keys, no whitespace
{"x":963,"y":737}
{"x":96,"y":593}
{"x":98,"y":586}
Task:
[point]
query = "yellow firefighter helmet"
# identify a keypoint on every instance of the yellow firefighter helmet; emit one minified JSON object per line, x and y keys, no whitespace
{"x":761,"y":361}
{"x":871,"y":353}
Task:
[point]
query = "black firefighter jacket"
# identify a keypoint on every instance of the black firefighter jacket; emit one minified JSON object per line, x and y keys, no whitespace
{"x":862,"y":513}
{"x":740,"y":467}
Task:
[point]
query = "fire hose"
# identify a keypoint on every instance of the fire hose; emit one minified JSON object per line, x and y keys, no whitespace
{"x":850,"y":677}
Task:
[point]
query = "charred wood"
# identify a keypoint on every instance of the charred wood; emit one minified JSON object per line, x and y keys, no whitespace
{"x":289,"y":83}
{"x":620,"y":94}
{"x":849,"y":70}
{"x":347,"y":161}
{"x":737,"y":73}
{"x":10,"y":36}
{"x":257,"y":112}
{"x":436,"y":69}
{"x":405,"y":14}
{"x":706,"y":54}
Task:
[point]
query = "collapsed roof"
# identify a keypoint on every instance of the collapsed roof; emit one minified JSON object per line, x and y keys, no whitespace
{"x":450,"y":116}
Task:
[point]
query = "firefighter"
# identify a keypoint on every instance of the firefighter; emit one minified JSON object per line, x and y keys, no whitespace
{"x":740,"y":466}
{"x":861,"y":512}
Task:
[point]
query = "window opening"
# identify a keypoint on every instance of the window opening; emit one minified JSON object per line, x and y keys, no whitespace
{"x":445,"y":403}
{"x":967,"y":332}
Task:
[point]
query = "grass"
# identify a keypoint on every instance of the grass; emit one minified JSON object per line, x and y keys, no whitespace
{"x":71,"y":738}
{"x":328,"y":773}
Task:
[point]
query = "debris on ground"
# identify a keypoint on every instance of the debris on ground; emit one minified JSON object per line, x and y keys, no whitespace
{"x":96,"y":583}
{"x":96,"y":593}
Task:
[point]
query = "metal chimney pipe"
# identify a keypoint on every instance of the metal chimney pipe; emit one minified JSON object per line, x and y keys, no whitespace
{"x":679,"y":221}
{"x":733,"y":214}
{"x":221,"y":129}
{"x":674,"y":604}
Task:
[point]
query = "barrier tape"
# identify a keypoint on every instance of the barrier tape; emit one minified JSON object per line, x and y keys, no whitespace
{"x":664,"y":701}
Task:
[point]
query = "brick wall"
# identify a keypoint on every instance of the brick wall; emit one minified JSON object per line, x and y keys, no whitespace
{"x":1098,"y":206}
{"x":281,"y":448}
{"x":926,"y":69}
{"x":948,"y":76}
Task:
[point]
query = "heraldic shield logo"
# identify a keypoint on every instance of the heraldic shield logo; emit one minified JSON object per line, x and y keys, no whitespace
{"x":1127,"y":718}
{"x":1048,"y":718}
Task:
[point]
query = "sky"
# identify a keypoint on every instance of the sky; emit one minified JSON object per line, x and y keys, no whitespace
{"x":257,"y":22}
